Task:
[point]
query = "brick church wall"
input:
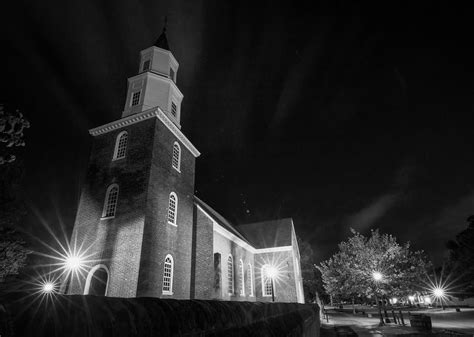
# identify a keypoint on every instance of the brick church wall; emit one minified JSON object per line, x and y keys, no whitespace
{"x":224,"y":246}
{"x":161,"y":238}
{"x":285,"y":289}
{"x":116,"y":241}
{"x":202,"y":273}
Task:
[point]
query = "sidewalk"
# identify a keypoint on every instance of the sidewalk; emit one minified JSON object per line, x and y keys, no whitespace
{"x":343,"y":324}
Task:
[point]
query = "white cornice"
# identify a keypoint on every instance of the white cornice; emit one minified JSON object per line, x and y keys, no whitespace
{"x":147,"y":114}
{"x":230,"y":236}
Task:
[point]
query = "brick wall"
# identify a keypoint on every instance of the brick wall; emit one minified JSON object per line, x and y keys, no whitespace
{"x":285,"y":287}
{"x":224,"y":246}
{"x":161,"y":238}
{"x":115,"y":242}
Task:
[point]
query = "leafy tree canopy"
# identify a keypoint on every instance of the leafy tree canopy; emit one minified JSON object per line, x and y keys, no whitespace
{"x":11,"y":133}
{"x":350,"y":272}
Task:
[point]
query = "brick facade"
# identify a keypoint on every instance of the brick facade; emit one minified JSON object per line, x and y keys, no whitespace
{"x":132,"y":245}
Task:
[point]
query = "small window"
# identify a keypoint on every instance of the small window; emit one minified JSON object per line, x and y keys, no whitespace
{"x":230,"y":274}
{"x":168,"y":276}
{"x":174,"y":109}
{"x":136,"y":98}
{"x":111,"y":198}
{"x":266,"y":282}
{"x":172,"y":207}
{"x":250,"y":280}
{"x":146,"y":65}
{"x":172,"y":73}
{"x":176,"y":160}
{"x":242,"y":278}
{"x":120,"y":145}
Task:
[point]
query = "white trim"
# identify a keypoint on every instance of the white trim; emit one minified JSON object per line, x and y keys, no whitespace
{"x":106,"y":202}
{"x":89,"y":278}
{"x":179,"y":157}
{"x":175,"y":209}
{"x":117,"y":140}
{"x":242,"y":281}
{"x":273,"y":249}
{"x":168,"y":292}
{"x":232,"y":290}
{"x":147,"y":114}
{"x":250,"y":269}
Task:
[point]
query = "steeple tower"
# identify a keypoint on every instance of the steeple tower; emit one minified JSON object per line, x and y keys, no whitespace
{"x":155,"y":84}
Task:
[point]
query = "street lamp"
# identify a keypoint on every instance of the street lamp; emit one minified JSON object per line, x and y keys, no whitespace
{"x":272,"y":272}
{"x":48,"y":287}
{"x":439,"y":293}
{"x":377,"y":276}
{"x":72,"y":264}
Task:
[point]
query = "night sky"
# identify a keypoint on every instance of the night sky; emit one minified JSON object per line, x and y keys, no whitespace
{"x":335,"y":116}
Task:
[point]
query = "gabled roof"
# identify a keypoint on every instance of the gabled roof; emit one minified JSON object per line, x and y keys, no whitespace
{"x":268,"y":234}
{"x":219,"y":218}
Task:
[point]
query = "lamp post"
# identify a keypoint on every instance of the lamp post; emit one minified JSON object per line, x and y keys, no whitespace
{"x":377,"y":276}
{"x":48,"y":287}
{"x":272,"y":272}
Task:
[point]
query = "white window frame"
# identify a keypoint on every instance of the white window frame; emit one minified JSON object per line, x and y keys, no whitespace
{"x":106,"y":202}
{"x":170,"y":291}
{"x":89,"y":278}
{"x":250,"y":280}
{"x":242,"y":278}
{"x":117,"y":144}
{"x":264,"y":293}
{"x":175,"y":209}
{"x":178,"y":167}
{"x":230,"y":275}
{"x":139,"y":97}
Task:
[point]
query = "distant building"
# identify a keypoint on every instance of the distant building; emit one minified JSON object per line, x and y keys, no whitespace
{"x":148,"y":233}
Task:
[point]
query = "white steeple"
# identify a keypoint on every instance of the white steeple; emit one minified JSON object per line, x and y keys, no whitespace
{"x":155,"y":84}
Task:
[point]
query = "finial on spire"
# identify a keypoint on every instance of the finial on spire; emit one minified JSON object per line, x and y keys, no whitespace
{"x":162,"y":41}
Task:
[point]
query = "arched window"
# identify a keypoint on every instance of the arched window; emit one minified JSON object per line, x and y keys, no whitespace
{"x":266,"y":282}
{"x":121,"y":145}
{"x":176,"y":161}
{"x":241,"y":278}
{"x":230,"y":274}
{"x":250,"y":280}
{"x":172,"y":208}
{"x":97,"y":281}
{"x":168,"y":275}
{"x":110,"y":204}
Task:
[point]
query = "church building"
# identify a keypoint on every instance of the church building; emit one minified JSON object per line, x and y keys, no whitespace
{"x":145,"y":232}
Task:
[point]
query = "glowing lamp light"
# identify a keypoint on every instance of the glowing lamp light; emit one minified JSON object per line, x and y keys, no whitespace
{"x":73,"y":262}
{"x":394,"y":300}
{"x":438,"y":292}
{"x":427,"y":300}
{"x":377,"y":276}
{"x":411,"y":298}
{"x":48,"y":287}
{"x":272,"y":272}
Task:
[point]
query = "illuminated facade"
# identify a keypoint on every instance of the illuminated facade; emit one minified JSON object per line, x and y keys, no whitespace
{"x":148,"y":233}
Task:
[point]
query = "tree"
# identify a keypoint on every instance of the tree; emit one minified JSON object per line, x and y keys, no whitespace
{"x":11,"y":133}
{"x":350,"y":272}
{"x":13,"y":253}
{"x":461,"y":259}
{"x":312,"y":282}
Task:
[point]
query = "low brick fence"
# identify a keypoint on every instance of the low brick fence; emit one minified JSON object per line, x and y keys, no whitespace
{"x":78,"y":315}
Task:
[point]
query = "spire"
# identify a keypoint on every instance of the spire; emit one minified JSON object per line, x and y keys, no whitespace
{"x":162,"y":41}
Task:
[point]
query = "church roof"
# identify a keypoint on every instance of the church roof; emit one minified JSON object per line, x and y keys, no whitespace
{"x":268,"y":234}
{"x":219,"y":218}
{"x":162,"y":41}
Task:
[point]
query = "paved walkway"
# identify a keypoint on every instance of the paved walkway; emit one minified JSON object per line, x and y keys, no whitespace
{"x":346,"y":324}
